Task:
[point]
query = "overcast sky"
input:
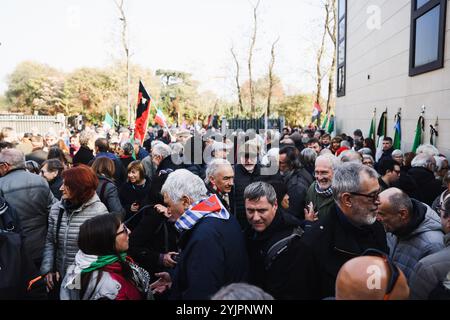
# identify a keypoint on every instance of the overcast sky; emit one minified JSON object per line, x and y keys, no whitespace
{"x":188,"y":35}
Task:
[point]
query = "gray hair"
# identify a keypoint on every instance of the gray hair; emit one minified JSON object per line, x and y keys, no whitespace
{"x":331,"y":159}
{"x":15,"y":158}
{"x":397,"y":153}
{"x":184,"y":183}
{"x":347,"y":178}
{"x":350,"y":156}
{"x":368,"y":156}
{"x":427,"y":149}
{"x":177,"y":148}
{"x":260,"y":189}
{"x":161,"y":149}
{"x":345,"y":143}
{"x":365,"y":151}
{"x":86,"y":137}
{"x":127,"y":148}
{"x":241,"y":291}
{"x":422,"y":160}
{"x":308,"y":157}
{"x":214,"y":166}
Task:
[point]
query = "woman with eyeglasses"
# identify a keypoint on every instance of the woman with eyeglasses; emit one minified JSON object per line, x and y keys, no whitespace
{"x":134,"y":194}
{"x":102,"y":270}
{"x":444,"y":195}
{"x":79,"y":202}
{"x":51,"y":170}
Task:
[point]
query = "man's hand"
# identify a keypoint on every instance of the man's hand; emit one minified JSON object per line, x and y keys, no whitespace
{"x":51,"y":280}
{"x":162,"y":210}
{"x":134,"y":207}
{"x":162,"y":284}
{"x":310,"y":214}
{"x":168,"y":261}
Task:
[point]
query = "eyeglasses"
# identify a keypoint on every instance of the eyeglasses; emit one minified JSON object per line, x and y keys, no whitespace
{"x":440,"y":209}
{"x":394,"y":271}
{"x":124,"y":230}
{"x":373,"y":197}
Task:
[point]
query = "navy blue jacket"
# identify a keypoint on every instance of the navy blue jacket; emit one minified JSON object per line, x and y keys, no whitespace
{"x":213,"y":255}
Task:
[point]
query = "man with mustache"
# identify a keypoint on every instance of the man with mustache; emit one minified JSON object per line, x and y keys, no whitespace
{"x":349,"y":229}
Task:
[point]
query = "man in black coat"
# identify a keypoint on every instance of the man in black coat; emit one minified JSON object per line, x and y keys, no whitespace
{"x":220,"y":181}
{"x":297,"y":179}
{"x":349,"y":229}
{"x":422,"y":172}
{"x":277,"y":256}
{"x":212,"y":246}
{"x":387,"y":150}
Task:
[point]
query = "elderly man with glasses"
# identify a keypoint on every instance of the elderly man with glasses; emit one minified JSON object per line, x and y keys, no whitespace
{"x":349,"y":229}
{"x":414,"y":229}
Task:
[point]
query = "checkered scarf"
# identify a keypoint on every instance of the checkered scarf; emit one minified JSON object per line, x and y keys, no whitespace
{"x":325,"y":193}
{"x":210,"y":207}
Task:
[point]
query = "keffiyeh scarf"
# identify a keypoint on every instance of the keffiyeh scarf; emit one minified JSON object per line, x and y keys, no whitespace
{"x":210,"y":207}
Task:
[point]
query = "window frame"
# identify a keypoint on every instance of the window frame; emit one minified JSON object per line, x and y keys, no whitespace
{"x":415,"y":15}
{"x":341,"y":93}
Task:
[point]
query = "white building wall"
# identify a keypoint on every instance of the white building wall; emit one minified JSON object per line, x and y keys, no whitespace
{"x":383,"y":54}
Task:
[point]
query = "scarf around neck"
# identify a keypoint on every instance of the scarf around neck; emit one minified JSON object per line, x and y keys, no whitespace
{"x":210,"y":207}
{"x":85,"y":263}
{"x":325,"y":193}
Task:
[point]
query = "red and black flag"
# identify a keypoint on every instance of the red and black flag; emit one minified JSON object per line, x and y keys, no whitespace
{"x":142,"y":112}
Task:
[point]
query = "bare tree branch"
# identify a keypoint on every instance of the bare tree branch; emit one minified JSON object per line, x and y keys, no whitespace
{"x":271,"y":78}
{"x":331,"y":7}
{"x":250,"y":57}
{"x":125,"y":44}
{"x":238,"y":85}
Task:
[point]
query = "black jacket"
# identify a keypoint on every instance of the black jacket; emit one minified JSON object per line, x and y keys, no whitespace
{"x":153,"y":236}
{"x":83,"y":156}
{"x":157,"y":181}
{"x":428,"y":186}
{"x":109,"y":194}
{"x":212,"y":256}
{"x":288,"y":276}
{"x":230,"y":208}
{"x":130,"y":194}
{"x":243,"y":178}
{"x":55,"y":185}
{"x":333,"y":241}
{"x":298,"y":183}
{"x":38,"y":155}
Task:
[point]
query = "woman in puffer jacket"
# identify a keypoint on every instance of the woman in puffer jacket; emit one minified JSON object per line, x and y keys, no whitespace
{"x":102,"y":269}
{"x":79,"y":203}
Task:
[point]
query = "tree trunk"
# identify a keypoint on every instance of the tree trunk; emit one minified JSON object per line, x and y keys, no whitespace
{"x":238,"y":85}
{"x":125,"y":44}
{"x":250,"y":57}
{"x":271,"y":80}
{"x":320,"y":53}
{"x":331,"y":6}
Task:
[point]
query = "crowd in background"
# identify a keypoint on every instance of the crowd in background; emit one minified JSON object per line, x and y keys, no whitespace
{"x":197,"y":214}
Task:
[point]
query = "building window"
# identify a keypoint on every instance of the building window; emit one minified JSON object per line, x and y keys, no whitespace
{"x":342,"y":36}
{"x":427,"y":35}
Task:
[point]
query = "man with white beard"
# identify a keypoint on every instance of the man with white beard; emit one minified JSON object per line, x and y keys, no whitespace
{"x":349,"y":229}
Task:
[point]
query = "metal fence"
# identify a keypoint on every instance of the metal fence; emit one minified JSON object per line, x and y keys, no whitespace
{"x":257,"y":124}
{"x":38,"y":124}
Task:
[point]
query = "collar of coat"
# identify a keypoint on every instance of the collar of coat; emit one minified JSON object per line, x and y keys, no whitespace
{"x":91,"y":201}
{"x":347,"y":235}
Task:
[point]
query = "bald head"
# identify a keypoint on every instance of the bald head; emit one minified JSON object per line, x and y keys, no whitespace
{"x":367,"y":278}
{"x":395,"y":210}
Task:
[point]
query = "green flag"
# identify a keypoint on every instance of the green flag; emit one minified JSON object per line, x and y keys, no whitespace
{"x":418,"y":138}
{"x":331,"y":125}
{"x":398,"y":132}
{"x":132,"y":142}
{"x":325,"y":122}
{"x":372,"y":128}
{"x":108,"y":123}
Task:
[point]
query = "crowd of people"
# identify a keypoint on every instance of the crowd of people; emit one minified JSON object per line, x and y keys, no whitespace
{"x":199,"y":214}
